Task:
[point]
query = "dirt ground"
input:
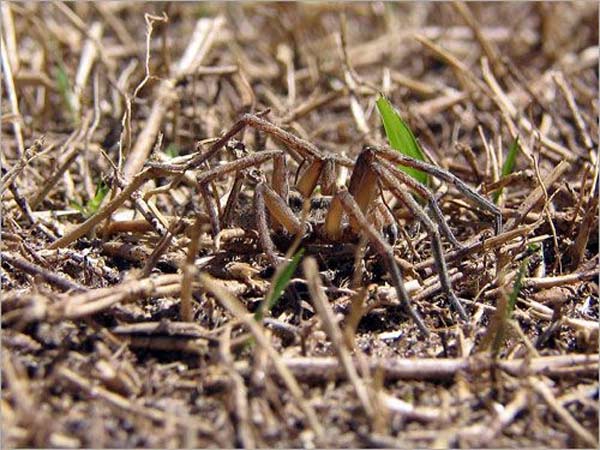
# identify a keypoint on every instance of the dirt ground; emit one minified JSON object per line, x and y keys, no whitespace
{"x":135,"y":255}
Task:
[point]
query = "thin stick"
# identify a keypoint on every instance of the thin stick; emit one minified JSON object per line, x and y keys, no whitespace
{"x":31,"y":153}
{"x":96,"y":300}
{"x":234,"y":306}
{"x":105,"y":212}
{"x":550,"y":282}
{"x":11,"y":40}
{"x":489,"y":48}
{"x":311,"y":271}
{"x":86,"y":62}
{"x":201,"y":41}
{"x":481,"y":434}
{"x":239,"y":393}
{"x":583,"y":434}
{"x":327,"y":368}
{"x":189,"y":272}
{"x":12,"y":98}
{"x":162,"y":246}
{"x":69,"y":151}
{"x":560,"y":80}
{"x":35,"y":270}
{"x":537,"y":195}
{"x":124,"y":404}
{"x":21,"y":201}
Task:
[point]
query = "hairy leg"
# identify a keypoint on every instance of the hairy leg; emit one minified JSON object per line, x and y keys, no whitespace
{"x":353,"y":210}
{"x":403,"y":160}
{"x":436,"y":242}
{"x":425,"y":193}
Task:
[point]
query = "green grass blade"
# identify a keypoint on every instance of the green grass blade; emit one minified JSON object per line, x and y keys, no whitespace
{"x":512,"y":299}
{"x":63,"y":85}
{"x":172,"y":150}
{"x":93,"y":204}
{"x":78,"y":206}
{"x":502,"y":317}
{"x":508,"y":166}
{"x":282,"y":279}
{"x":400,"y":137}
{"x":499,"y":322}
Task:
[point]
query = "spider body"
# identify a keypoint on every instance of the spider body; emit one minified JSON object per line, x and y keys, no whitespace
{"x":276,"y":205}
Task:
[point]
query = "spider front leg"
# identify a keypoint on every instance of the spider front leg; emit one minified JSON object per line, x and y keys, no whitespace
{"x":280,"y":177}
{"x":352,"y":208}
{"x":303,"y":148}
{"x":399,"y":159}
{"x":278,"y":209}
{"x":321,"y":167}
{"x":266,"y":199}
{"x":436,"y":241}
{"x":363,"y":188}
{"x":425,"y":193}
{"x":262,"y":226}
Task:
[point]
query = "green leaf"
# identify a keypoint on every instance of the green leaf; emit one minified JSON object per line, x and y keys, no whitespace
{"x":76,"y":205}
{"x":63,"y":85}
{"x":509,"y":165}
{"x":400,"y":137}
{"x":282,"y":279}
{"x":93,"y":204}
{"x":512,"y":299}
{"x":172,"y":150}
{"x":502,"y":317}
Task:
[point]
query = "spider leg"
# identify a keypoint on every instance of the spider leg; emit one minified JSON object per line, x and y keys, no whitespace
{"x":436,"y":242}
{"x":206,"y":177}
{"x":353,"y":210}
{"x":328,"y":178}
{"x":211,"y":207}
{"x":427,"y":194}
{"x":279,"y":210}
{"x":333,"y":220}
{"x":362,"y":187}
{"x":389,"y":225}
{"x":299,"y":148}
{"x":227,"y":218}
{"x":304,"y":148}
{"x":309,"y":179}
{"x":254,"y":159}
{"x":266,"y":199}
{"x":264,"y":237}
{"x":280,"y":177}
{"x":403,"y":160}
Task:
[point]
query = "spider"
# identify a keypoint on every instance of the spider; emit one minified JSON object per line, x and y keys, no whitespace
{"x":375,"y":169}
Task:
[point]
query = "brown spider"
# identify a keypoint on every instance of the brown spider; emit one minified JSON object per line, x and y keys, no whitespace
{"x":375,"y":169}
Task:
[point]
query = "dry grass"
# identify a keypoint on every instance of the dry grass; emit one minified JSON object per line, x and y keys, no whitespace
{"x":128,"y":324}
